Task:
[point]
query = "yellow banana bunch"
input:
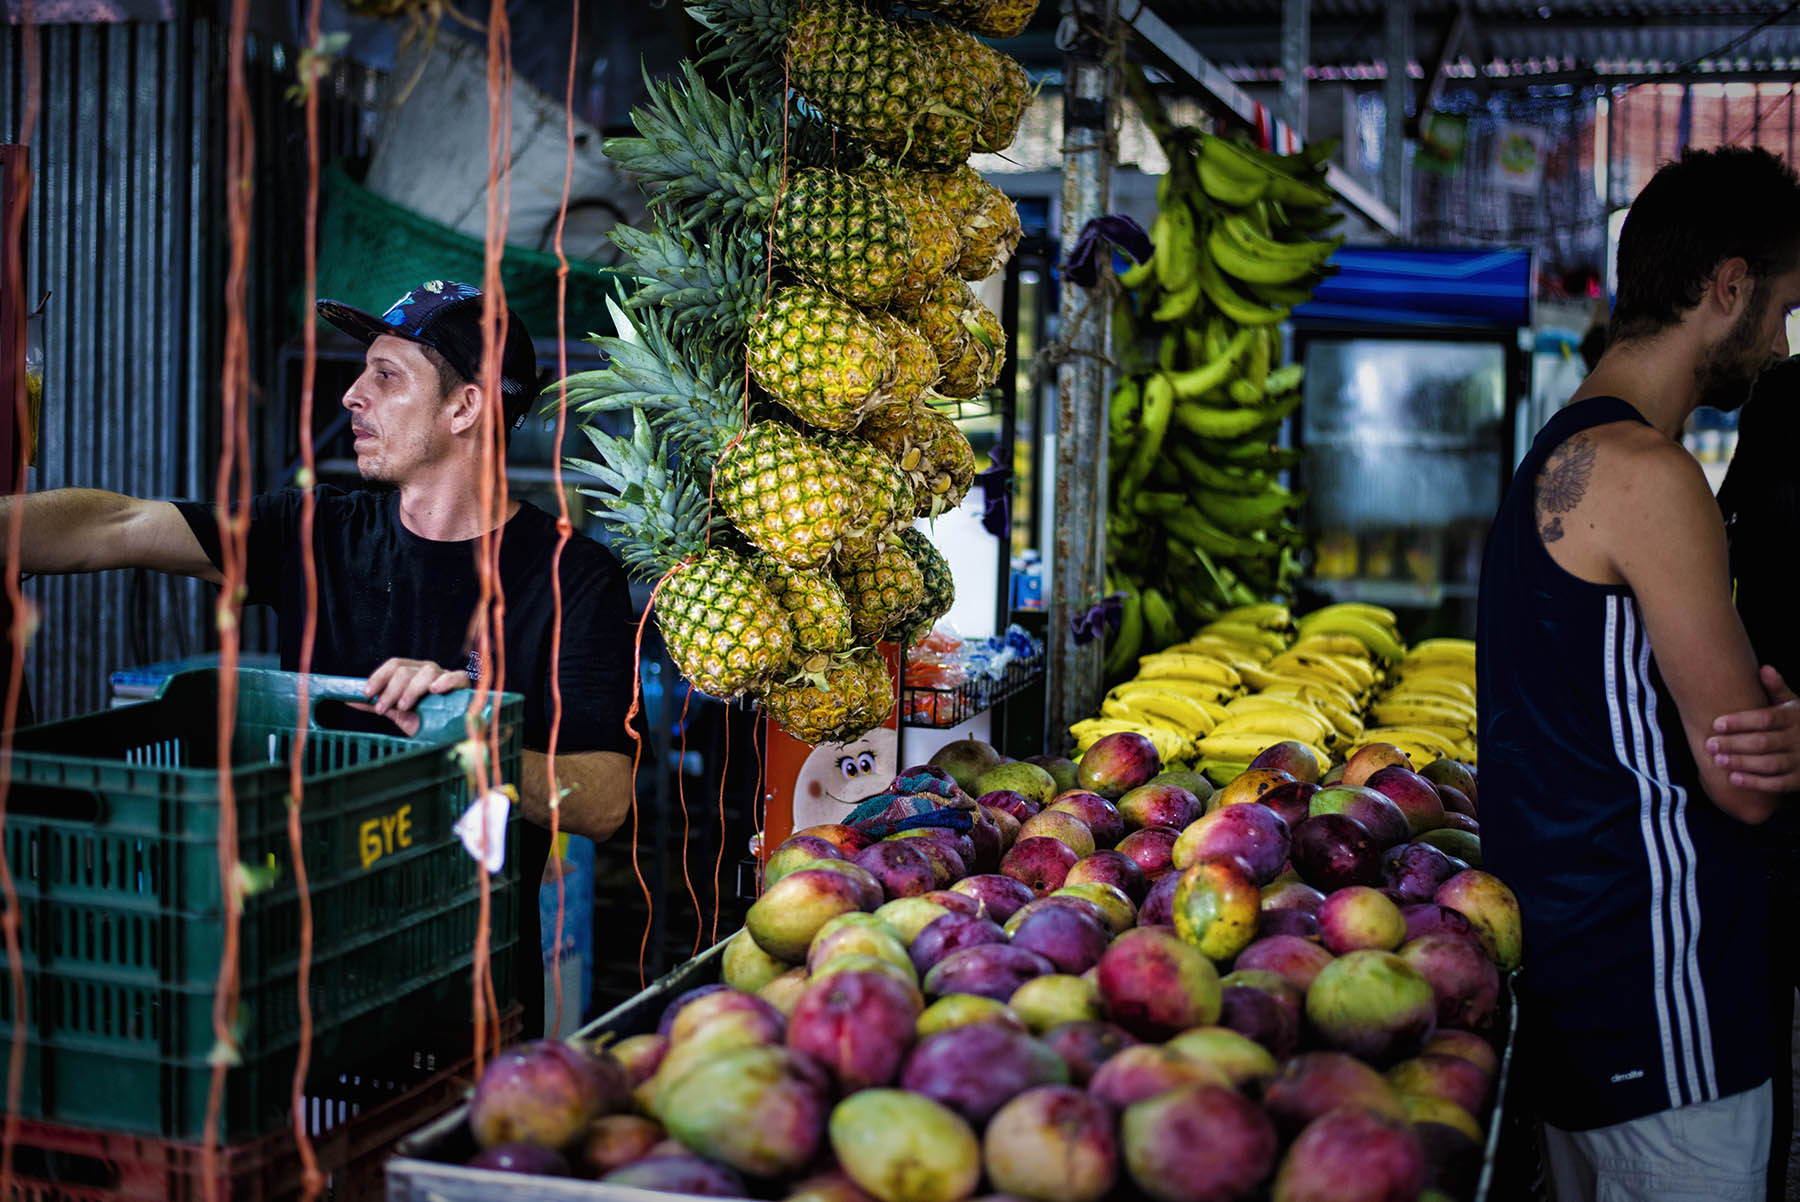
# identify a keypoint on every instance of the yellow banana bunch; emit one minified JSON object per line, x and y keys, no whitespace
{"x":1322,"y":643}
{"x":1239,"y":655}
{"x":1354,"y":675}
{"x":1170,"y":746}
{"x":1161,"y":707}
{"x":1265,"y":615}
{"x":1206,"y":693}
{"x":1423,"y":711}
{"x":1288,"y":722}
{"x":1188,"y":665}
{"x":1371,"y":625}
{"x":1428,"y":708}
{"x":1249,"y":634}
{"x":1440,"y":657}
{"x":1264,"y":680}
{"x":1244,"y":746}
{"x":1435,"y":684}
{"x":1320,"y":619}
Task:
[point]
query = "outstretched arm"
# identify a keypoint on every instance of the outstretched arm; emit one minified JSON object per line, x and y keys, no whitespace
{"x":88,"y":530}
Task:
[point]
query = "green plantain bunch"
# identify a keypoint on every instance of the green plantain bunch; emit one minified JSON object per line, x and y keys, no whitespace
{"x":1198,"y":518}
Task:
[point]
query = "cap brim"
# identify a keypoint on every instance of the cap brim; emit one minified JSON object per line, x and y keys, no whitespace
{"x":364,"y":327}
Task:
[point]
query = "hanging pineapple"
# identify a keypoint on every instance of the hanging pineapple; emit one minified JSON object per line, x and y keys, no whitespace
{"x":883,"y":590}
{"x":940,"y":589}
{"x":800,"y":307}
{"x":783,"y":491}
{"x":986,"y":222}
{"x":839,"y":701}
{"x":723,"y":628}
{"x":714,"y":161}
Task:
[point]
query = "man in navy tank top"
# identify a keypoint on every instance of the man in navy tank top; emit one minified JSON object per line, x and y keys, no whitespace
{"x":1630,"y":745}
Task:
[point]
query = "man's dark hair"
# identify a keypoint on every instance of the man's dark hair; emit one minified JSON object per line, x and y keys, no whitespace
{"x":448,"y":377}
{"x":1710,"y":206}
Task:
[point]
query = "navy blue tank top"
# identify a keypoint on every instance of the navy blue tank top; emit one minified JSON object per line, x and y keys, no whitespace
{"x":1643,"y":986}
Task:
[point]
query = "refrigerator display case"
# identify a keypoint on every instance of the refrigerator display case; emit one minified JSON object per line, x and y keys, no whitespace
{"x":1417,"y":376}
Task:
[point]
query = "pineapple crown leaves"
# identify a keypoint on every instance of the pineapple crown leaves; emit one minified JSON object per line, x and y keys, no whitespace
{"x":657,"y":517}
{"x":710,"y":290}
{"x":695,"y":403}
{"x":698,"y":146}
{"x":747,"y":38}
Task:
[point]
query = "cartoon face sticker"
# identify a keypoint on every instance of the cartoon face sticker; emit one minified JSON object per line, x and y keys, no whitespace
{"x":837,"y":777}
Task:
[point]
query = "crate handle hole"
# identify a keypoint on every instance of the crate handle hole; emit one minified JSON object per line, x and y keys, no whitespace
{"x":47,"y":801}
{"x":66,"y":1168}
{"x":334,"y":714}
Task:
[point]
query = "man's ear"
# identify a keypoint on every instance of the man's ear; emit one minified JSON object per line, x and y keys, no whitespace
{"x":464,"y":403}
{"x":1731,"y":287}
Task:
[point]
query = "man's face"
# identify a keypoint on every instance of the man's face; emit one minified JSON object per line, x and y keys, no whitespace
{"x":398,"y":414}
{"x":1756,"y":343}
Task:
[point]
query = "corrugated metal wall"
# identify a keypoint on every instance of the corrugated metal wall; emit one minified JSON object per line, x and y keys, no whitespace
{"x":127,"y":233}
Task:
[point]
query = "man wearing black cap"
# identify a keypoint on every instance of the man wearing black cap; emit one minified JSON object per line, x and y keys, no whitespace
{"x":398,"y":586}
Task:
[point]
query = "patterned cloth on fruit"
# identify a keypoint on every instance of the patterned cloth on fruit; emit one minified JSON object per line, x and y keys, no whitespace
{"x":912,"y":800}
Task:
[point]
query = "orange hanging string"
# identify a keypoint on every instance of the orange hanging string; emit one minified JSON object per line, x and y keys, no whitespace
{"x":759,"y":805}
{"x":491,"y":607}
{"x":564,"y":528}
{"x":233,"y":518}
{"x":312,"y":1180}
{"x":686,"y":825}
{"x":19,"y":631}
{"x":719,"y":860}
{"x":637,"y":754}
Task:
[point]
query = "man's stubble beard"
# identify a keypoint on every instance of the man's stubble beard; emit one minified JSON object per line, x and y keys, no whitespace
{"x":1730,"y":368}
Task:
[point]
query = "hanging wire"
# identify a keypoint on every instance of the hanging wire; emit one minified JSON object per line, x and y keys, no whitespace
{"x":233,"y":518}
{"x":491,"y":610}
{"x":1756,"y":124}
{"x":686,"y":824}
{"x":759,"y":803}
{"x":21,"y":620}
{"x":564,"y":528}
{"x":719,"y":859}
{"x":637,"y":756}
{"x":312,"y":1180}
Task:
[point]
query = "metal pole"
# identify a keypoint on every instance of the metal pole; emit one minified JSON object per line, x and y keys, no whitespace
{"x":1089,"y":85}
{"x":1296,"y":49}
{"x":1397,"y":26}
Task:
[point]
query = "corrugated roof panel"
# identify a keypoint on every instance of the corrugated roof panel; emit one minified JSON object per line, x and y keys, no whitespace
{"x":1509,"y":36}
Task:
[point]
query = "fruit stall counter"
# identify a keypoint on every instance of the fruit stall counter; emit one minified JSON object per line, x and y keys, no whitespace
{"x":746,"y":1094}
{"x":1272,"y":976}
{"x":431,"y":1165}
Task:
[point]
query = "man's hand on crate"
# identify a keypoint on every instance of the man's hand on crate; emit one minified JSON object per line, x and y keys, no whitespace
{"x":397,"y":686}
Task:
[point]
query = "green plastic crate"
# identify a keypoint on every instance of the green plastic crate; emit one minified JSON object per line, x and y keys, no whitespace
{"x":111,"y":835}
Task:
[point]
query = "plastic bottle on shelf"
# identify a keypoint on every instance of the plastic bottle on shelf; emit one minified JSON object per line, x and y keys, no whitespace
{"x":1028,"y":581}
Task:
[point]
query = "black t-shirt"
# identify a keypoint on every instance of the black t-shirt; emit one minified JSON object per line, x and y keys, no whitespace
{"x":383,"y":592}
{"x":1760,"y":498}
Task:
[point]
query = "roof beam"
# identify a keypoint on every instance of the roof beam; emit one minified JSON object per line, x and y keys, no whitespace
{"x":1449,"y":48}
{"x":1160,"y":41}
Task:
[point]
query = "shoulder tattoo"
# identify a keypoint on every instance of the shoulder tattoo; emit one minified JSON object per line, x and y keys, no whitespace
{"x":1562,"y":483}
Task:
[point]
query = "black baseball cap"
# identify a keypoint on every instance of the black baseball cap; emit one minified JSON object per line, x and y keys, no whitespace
{"x":446,"y":316}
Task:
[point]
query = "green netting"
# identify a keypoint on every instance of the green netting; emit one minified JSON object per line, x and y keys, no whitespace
{"x":372,"y":250}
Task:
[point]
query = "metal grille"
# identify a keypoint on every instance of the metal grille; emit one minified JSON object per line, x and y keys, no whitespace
{"x":125,"y":230}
